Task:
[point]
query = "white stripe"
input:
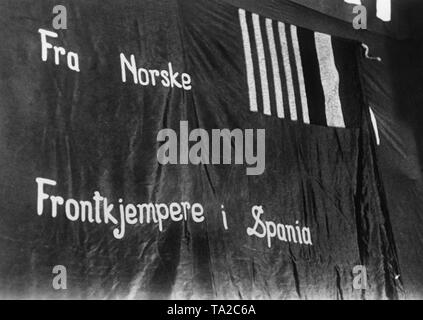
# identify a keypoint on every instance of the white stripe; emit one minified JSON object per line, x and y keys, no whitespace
{"x":374,"y":123}
{"x":299,"y":64}
{"x":262,"y":64}
{"x":383,"y":10}
{"x":353,"y":1}
{"x":248,"y":61}
{"x":330,"y":80}
{"x":288,"y":74}
{"x":275,"y":67}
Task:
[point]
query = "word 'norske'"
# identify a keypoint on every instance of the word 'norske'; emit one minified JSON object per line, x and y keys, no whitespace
{"x":152,"y":77}
{"x":236,"y":142}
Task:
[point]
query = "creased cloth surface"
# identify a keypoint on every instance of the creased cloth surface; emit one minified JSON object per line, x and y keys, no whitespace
{"x":89,"y":131}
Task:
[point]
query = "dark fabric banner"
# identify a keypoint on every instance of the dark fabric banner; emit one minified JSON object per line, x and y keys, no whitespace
{"x":82,"y":133}
{"x":392,"y":87}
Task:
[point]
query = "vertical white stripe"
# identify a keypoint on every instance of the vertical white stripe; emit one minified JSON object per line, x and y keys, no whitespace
{"x":301,"y":82}
{"x":275,"y":67}
{"x":262,"y":64}
{"x":248,"y":61}
{"x":288,"y":74}
{"x":383,"y":9}
{"x":330,"y":80}
{"x":374,"y":123}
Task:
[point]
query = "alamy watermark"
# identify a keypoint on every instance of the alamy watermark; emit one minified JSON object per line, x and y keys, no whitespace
{"x":383,"y":12}
{"x":223,"y":146}
{"x":61,"y":278}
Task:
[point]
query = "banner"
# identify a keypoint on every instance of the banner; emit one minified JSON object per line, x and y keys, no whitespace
{"x":186,"y":150}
